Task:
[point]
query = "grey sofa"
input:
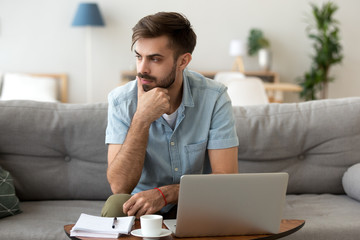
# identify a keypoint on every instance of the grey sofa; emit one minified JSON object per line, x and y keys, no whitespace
{"x":57,"y":157}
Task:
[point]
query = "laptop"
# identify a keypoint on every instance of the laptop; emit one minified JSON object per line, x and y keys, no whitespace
{"x":229,"y":204}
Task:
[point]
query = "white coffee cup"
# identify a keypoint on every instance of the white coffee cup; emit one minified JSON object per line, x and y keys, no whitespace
{"x":151,"y":225}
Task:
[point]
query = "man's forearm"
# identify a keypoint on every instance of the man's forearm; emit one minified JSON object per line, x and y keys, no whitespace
{"x":125,"y":168}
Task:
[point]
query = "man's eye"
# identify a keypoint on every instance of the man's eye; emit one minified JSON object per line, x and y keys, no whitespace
{"x":138,"y":57}
{"x":155,"y":59}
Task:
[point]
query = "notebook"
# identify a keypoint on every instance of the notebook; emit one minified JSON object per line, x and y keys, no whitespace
{"x":101,"y":227}
{"x":229,"y":204}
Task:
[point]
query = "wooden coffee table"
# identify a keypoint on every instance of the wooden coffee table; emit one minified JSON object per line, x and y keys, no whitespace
{"x":287,"y":227}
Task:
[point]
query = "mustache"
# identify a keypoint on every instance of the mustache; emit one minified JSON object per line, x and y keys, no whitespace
{"x":146,"y":76}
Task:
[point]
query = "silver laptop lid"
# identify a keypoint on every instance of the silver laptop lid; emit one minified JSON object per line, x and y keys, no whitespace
{"x":230,"y":204}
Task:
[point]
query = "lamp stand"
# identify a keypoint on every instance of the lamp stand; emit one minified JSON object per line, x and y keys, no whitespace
{"x":89,"y":83}
{"x":238,"y":65}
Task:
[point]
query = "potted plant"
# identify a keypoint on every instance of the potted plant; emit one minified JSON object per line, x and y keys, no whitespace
{"x":327,"y":48}
{"x":257,"y":43}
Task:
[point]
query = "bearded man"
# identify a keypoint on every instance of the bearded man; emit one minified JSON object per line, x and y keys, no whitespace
{"x":168,"y":122}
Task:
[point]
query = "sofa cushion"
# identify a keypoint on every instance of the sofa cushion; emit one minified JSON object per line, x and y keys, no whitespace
{"x":9,"y":203}
{"x":315,"y":142}
{"x":327,"y":216}
{"x":351,"y":181}
{"x":55,"y":150}
{"x":44,"y":220}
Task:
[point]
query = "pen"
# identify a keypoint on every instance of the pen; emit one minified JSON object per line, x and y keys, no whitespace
{"x":114,"y":222}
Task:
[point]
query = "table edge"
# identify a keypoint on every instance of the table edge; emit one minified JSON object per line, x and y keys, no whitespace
{"x":285,"y":233}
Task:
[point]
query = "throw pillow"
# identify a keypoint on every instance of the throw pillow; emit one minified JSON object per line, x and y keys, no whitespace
{"x":26,"y":87}
{"x":351,"y":181}
{"x":9,"y":203}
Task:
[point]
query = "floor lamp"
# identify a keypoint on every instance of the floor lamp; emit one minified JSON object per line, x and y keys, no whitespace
{"x":88,"y":15}
{"x":237,"y":49}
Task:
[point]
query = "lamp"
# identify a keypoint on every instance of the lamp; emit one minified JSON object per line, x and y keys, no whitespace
{"x":237,"y":49}
{"x":88,"y":15}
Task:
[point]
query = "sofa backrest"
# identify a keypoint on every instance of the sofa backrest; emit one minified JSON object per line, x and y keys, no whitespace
{"x":58,"y":151}
{"x":55,"y":151}
{"x":315,"y":142}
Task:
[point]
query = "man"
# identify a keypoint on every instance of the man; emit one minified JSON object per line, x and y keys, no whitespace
{"x":167,"y":123}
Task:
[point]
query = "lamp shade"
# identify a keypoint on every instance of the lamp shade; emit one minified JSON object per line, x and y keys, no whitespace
{"x":237,"y":48}
{"x":88,"y":14}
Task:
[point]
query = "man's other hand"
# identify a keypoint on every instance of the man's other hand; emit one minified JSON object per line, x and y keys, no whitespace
{"x":146,"y":202}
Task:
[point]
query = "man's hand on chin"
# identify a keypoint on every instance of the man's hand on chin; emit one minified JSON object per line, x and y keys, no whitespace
{"x":146,"y":202}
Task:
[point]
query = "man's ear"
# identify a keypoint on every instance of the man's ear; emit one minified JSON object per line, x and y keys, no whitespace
{"x":184,"y":60}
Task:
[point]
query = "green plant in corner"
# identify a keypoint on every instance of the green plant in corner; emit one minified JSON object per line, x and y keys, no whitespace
{"x":256,"y":41}
{"x":327,"y":48}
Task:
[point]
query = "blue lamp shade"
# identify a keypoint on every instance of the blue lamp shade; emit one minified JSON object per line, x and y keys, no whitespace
{"x":88,"y":14}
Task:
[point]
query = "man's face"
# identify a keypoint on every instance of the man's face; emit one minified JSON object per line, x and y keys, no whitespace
{"x":155,"y":63}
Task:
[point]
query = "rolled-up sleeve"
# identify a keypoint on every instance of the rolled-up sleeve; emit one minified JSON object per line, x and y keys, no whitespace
{"x":222,"y":132}
{"x":119,"y":119}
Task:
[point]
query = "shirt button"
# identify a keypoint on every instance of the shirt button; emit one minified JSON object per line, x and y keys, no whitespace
{"x":176,"y":169}
{"x":172,"y":143}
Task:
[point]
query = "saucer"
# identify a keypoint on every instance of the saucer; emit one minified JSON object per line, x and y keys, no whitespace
{"x":138,"y":233}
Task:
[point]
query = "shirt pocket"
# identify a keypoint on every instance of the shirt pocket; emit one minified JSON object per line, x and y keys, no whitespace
{"x":195,"y":155}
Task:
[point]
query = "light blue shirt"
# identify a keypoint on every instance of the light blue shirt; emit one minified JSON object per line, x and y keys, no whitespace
{"x":205,"y":121}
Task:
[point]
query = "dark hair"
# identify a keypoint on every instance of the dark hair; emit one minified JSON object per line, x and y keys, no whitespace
{"x":176,"y":26}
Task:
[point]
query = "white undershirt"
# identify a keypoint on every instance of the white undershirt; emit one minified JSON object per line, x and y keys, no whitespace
{"x":171,"y":119}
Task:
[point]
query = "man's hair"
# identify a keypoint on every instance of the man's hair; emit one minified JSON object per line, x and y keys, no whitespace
{"x":174,"y":25}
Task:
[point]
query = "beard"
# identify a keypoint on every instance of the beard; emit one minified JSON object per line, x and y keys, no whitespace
{"x":163,"y":83}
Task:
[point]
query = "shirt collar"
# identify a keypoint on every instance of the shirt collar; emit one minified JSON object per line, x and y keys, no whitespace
{"x":187,"y":100}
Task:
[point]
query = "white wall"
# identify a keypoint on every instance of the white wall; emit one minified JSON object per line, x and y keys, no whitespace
{"x":36,"y":36}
